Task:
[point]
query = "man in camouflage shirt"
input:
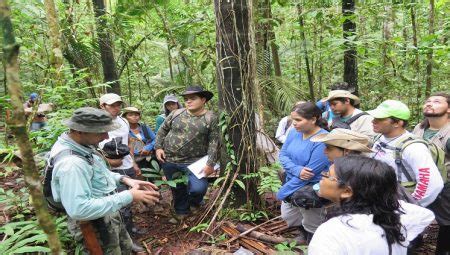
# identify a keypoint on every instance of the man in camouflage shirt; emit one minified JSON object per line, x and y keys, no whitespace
{"x":186,"y":136}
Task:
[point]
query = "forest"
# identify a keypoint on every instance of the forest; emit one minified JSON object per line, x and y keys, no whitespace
{"x":258,"y":58}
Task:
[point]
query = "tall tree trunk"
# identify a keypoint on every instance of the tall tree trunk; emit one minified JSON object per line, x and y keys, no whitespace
{"x":349,"y":30}
{"x":105,"y":44}
{"x":236,"y":70}
{"x":430,"y":50}
{"x":387,"y":27}
{"x":305,"y":49}
{"x":54,"y":32}
{"x":18,"y":127}
{"x":417,"y":77}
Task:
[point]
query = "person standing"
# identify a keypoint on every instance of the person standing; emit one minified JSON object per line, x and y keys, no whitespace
{"x":303,"y":161}
{"x":368,"y":217}
{"x":170,"y":104}
{"x":142,"y":138}
{"x":346,"y":115}
{"x":112,"y":103}
{"x":415,"y":168}
{"x":82,"y":182}
{"x":186,"y":136}
{"x":435,"y":128}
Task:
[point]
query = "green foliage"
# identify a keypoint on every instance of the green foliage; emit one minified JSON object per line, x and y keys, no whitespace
{"x":17,"y":203}
{"x":268,"y":178}
{"x":199,"y":228}
{"x":288,"y":248}
{"x":27,"y":236}
{"x":252,"y":216}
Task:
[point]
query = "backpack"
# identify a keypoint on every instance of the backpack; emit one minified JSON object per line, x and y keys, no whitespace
{"x":437,"y":154}
{"x":337,"y":123}
{"x":48,"y":172}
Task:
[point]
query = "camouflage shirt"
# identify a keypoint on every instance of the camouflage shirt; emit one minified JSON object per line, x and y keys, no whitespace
{"x":187,"y":138}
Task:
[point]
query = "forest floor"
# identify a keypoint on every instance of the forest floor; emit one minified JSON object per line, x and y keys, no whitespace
{"x":165,"y":238}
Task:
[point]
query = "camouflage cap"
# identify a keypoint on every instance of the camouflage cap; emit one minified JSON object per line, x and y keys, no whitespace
{"x":91,"y":120}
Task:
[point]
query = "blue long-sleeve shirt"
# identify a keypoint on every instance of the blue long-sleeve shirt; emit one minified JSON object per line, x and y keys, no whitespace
{"x":148,"y":141}
{"x":296,"y":154}
{"x":85,"y":190}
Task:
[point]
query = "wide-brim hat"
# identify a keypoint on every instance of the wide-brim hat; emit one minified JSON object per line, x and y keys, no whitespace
{"x":198,"y":91}
{"x":91,"y":120}
{"x":130,"y":109}
{"x":334,"y":94}
{"x":345,"y":138}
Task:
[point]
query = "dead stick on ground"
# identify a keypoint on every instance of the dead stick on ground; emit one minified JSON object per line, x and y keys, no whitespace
{"x":251,"y":229}
{"x":146,"y":247}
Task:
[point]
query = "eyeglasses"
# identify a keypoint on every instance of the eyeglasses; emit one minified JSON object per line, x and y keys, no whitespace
{"x":331,"y":178}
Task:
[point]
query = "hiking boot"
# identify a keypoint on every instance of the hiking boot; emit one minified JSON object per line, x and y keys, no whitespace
{"x":177,"y":218}
{"x":136,"y":247}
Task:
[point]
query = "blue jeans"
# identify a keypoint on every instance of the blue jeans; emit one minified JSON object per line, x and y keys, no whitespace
{"x":188,"y":195}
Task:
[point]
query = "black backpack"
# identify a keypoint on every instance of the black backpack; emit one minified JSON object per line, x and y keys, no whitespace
{"x":48,"y":172}
{"x":337,"y":123}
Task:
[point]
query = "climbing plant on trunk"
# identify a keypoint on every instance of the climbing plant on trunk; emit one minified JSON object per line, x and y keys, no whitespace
{"x":19,"y":128}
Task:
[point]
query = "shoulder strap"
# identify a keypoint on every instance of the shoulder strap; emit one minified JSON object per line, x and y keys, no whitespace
{"x":177,"y":113}
{"x":398,"y":149}
{"x":353,"y":118}
{"x":66,"y":152}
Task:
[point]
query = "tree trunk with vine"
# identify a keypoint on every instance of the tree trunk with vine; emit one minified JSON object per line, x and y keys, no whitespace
{"x":236,"y":72}
{"x":19,"y":128}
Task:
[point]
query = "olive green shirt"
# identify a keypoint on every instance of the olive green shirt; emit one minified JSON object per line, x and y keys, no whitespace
{"x":186,"y":138}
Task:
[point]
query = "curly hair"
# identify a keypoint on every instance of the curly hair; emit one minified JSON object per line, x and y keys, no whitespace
{"x":374,"y":186}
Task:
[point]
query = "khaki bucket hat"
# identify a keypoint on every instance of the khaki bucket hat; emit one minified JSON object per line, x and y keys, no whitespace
{"x":345,"y":138}
{"x":91,"y":120}
{"x":130,"y":109}
{"x":342,"y":94}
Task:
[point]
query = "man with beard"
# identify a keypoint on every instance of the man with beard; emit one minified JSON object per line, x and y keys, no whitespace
{"x":436,"y":129}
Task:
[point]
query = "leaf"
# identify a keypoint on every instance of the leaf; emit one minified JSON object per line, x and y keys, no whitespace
{"x":32,"y":249}
{"x":172,"y":184}
{"x":240,"y":183}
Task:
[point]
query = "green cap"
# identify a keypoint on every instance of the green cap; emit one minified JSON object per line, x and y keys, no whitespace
{"x":391,"y":108}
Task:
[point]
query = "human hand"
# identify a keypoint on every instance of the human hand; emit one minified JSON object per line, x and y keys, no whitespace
{"x":145,"y":153}
{"x":208,"y":170}
{"x":306,"y":173}
{"x":137,"y":169}
{"x":149,"y":197}
{"x":160,"y":155}
{"x":139,"y":184}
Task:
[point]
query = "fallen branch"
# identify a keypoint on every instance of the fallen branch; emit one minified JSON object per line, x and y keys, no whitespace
{"x":262,"y":236}
{"x":251,"y":229}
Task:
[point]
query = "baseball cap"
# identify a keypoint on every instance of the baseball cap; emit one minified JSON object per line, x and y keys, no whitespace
{"x":110,"y":98}
{"x":391,"y":108}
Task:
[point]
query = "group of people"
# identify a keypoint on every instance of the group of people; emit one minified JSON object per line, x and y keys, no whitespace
{"x":96,"y":163}
{"x":354,"y":182}
{"x":359,"y":182}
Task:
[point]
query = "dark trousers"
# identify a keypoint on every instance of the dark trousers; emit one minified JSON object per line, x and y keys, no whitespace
{"x":188,"y":195}
{"x":126,"y":212}
{"x":443,"y":241}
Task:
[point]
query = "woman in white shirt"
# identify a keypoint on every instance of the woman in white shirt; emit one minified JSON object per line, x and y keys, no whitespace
{"x":368,"y":218}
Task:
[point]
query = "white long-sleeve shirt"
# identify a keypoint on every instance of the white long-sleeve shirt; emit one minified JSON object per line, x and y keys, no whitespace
{"x":283,"y":129}
{"x":356,"y":234}
{"x":418,"y":162}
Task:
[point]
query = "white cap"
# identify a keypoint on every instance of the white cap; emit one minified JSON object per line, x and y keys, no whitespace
{"x":110,"y":98}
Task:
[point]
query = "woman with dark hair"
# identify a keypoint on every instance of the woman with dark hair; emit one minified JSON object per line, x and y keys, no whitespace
{"x":170,"y":104}
{"x":368,"y":218}
{"x":303,"y":161}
